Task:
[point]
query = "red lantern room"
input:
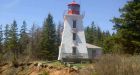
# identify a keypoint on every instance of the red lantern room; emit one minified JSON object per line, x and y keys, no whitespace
{"x":73,"y":8}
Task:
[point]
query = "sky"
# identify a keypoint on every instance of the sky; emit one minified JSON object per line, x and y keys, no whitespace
{"x":35,"y":11}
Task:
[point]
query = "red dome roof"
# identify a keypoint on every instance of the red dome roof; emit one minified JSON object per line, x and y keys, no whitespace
{"x":73,"y":3}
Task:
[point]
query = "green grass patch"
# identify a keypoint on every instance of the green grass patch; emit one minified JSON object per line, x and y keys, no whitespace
{"x":80,"y":65}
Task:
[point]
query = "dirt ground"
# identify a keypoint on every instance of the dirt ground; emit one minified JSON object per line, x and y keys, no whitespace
{"x":45,"y":69}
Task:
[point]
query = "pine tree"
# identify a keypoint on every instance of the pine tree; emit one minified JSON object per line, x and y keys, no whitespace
{"x":6,"y":39}
{"x":59,"y":31}
{"x":1,"y":39}
{"x":128,"y":27}
{"x":23,"y":40}
{"x":93,"y":34}
{"x":48,"y":43}
{"x":13,"y":40}
{"x":33,"y":43}
{"x":1,"y":43}
{"x":107,"y":34}
{"x":89,"y":33}
{"x":99,"y":36}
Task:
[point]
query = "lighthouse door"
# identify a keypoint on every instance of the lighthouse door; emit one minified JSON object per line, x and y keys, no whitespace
{"x":74,"y":51}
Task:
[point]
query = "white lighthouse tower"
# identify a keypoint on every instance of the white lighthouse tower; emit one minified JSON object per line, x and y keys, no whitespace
{"x":73,"y":44}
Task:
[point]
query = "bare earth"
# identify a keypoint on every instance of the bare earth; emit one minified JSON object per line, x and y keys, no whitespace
{"x":49,"y":69}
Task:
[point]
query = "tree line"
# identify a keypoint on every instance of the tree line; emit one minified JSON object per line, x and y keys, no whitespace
{"x":40,"y":42}
{"x":43,"y":42}
{"x":94,"y":35}
{"x":37,"y":43}
{"x":126,"y":40}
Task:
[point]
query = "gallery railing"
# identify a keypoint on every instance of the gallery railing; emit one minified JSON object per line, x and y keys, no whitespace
{"x":66,"y":13}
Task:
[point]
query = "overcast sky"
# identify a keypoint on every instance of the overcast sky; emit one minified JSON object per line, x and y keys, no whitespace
{"x":35,"y":11}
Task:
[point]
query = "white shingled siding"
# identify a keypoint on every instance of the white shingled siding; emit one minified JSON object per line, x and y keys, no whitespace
{"x":67,"y":36}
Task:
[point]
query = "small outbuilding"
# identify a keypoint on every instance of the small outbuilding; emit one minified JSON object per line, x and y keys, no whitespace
{"x":94,"y":52}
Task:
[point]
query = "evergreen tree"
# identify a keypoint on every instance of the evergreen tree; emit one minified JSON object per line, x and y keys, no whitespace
{"x":48,"y":42}
{"x":89,"y":33}
{"x":99,"y":37}
{"x":13,"y":40}
{"x":94,"y":35}
{"x":34,"y":42}
{"x":1,"y":43}
{"x":59,"y":31}
{"x":6,"y":39}
{"x":1,"y":39}
{"x":107,"y":34}
{"x":31,"y":42}
{"x":23,"y":41}
{"x":113,"y":34}
{"x":128,"y":27}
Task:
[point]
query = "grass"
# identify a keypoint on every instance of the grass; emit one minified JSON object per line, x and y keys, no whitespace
{"x":44,"y":73}
{"x":79,"y":65}
{"x":109,"y":64}
{"x":57,"y":64}
{"x":118,"y":65}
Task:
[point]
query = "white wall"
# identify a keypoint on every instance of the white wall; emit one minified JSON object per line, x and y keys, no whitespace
{"x":67,"y":36}
{"x":96,"y":55}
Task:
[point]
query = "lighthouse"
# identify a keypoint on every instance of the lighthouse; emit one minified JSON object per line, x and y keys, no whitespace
{"x":73,"y":44}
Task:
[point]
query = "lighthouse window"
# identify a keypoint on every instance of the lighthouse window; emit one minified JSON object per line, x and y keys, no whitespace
{"x":74,"y":50}
{"x":74,"y":23}
{"x":74,"y":36}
